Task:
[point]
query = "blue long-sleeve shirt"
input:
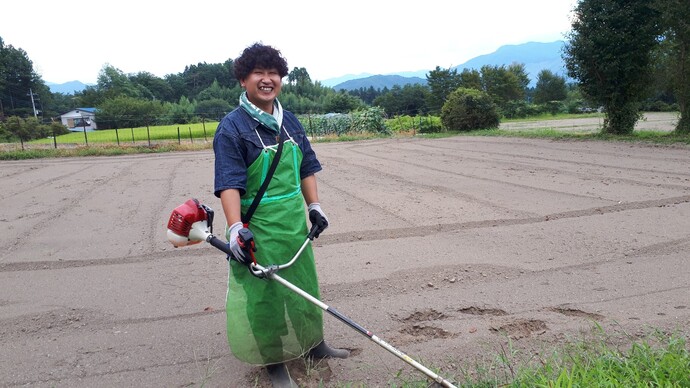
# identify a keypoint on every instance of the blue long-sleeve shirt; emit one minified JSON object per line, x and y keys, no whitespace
{"x":237,"y":146}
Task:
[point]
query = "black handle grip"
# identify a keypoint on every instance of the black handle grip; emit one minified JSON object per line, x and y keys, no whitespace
{"x":312,"y":232}
{"x":220,"y":244}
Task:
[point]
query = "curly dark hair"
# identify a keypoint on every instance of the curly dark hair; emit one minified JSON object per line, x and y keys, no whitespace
{"x":259,"y":56}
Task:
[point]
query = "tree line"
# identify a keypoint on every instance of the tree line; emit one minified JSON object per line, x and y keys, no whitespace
{"x":624,"y":56}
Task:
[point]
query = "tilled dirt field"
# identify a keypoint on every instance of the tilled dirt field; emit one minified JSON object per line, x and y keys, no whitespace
{"x":449,"y":249}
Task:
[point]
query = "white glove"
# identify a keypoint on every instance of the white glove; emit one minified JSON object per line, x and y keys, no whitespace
{"x":231,"y":235}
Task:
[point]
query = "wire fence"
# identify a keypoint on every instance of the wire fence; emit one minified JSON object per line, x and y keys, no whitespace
{"x":316,"y":126}
{"x":148,"y":136}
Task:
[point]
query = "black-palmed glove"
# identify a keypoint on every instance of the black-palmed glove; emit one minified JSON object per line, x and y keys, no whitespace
{"x":317,"y":218}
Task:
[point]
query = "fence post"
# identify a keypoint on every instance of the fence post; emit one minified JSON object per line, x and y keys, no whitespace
{"x":117,"y":136}
{"x":179,"y":141}
{"x":54,"y":139}
{"x":132,"y":135}
{"x":203,"y":124}
{"x":148,"y":134}
{"x":86,"y":140}
{"x":190,"y":135}
{"x":311,"y":129}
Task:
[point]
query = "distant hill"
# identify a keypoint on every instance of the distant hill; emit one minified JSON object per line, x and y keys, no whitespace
{"x":338,"y":80}
{"x":67,"y":87}
{"x":379,"y":82}
{"x":535,"y":56}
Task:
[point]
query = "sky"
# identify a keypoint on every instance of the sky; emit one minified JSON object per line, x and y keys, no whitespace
{"x":71,"y":40}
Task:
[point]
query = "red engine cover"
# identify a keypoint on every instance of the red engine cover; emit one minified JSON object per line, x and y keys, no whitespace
{"x":184,"y":216}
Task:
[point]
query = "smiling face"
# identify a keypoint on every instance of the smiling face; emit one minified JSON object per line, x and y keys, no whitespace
{"x":263,"y":87}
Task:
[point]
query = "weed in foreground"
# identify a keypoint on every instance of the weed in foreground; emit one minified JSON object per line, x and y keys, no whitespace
{"x":656,"y":360}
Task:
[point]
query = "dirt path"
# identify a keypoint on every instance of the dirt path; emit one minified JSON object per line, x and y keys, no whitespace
{"x":651,"y":121}
{"x":445,"y":248}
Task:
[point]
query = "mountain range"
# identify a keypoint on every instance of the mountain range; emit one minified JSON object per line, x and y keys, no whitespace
{"x":535,"y":56}
{"x":67,"y":87}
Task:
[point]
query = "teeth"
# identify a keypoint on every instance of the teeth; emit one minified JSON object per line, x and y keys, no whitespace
{"x":265,"y":88}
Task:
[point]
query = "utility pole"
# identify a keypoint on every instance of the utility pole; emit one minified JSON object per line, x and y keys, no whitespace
{"x":33,"y":104}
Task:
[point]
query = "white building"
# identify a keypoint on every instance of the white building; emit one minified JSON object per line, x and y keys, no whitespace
{"x":80,"y":119}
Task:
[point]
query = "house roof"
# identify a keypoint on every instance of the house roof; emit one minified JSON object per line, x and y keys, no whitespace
{"x":76,"y":112}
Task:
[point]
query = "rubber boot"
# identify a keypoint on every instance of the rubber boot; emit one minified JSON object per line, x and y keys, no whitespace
{"x":280,"y":378}
{"x":324,"y":351}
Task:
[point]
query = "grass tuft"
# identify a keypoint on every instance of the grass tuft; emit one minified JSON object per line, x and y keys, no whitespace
{"x":657,"y":360}
{"x":100,"y":150}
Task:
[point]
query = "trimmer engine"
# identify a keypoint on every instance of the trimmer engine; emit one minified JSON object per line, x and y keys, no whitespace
{"x":190,"y":223}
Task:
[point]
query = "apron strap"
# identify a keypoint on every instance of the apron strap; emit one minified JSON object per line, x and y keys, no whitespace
{"x":264,"y":185}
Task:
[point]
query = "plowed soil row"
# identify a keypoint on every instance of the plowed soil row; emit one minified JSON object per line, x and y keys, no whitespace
{"x":446,"y":248}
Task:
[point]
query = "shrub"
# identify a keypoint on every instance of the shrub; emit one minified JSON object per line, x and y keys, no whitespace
{"x":369,"y":120}
{"x":469,"y":109}
{"x":519,"y":109}
{"x":430,"y":124}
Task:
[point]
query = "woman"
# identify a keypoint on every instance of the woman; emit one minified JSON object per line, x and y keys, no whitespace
{"x":267,"y":323}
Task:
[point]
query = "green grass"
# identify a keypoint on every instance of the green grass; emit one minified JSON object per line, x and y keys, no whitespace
{"x":139,"y":134}
{"x":657,"y":360}
{"x":649,"y":137}
{"x":558,"y":116}
{"x":199,"y":135}
{"x":101,"y":150}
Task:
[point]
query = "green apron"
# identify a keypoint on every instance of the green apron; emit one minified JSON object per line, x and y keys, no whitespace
{"x":268,"y":323}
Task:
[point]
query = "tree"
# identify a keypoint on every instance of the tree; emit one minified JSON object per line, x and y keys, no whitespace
{"x":151,"y":87}
{"x":441,"y":83}
{"x":213,"y":109}
{"x":200,"y":76}
{"x":215,"y":91}
{"x":504,"y":84}
{"x":3,"y":80}
{"x":550,"y":87}
{"x":368,"y":95}
{"x":342,"y":103}
{"x":56,"y":128}
{"x":469,"y":109}
{"x":182,"y":112}
{"x":177,"y":84}
{"x":471,"y":79}
{"x":128,"y":112}
{"x":17,"y":127}
{"x":521,"y":76}
{"x":410,"y":99}
{"x":112,"y":82}
{"x":675,"y":15}
{"x":17,"y":81}
{"x":609,"y":53}
{"x":29,"y":128}
{"x":299,"y":78}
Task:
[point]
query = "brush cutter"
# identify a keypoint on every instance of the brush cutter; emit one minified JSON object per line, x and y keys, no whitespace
{"x":192,"y":223}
